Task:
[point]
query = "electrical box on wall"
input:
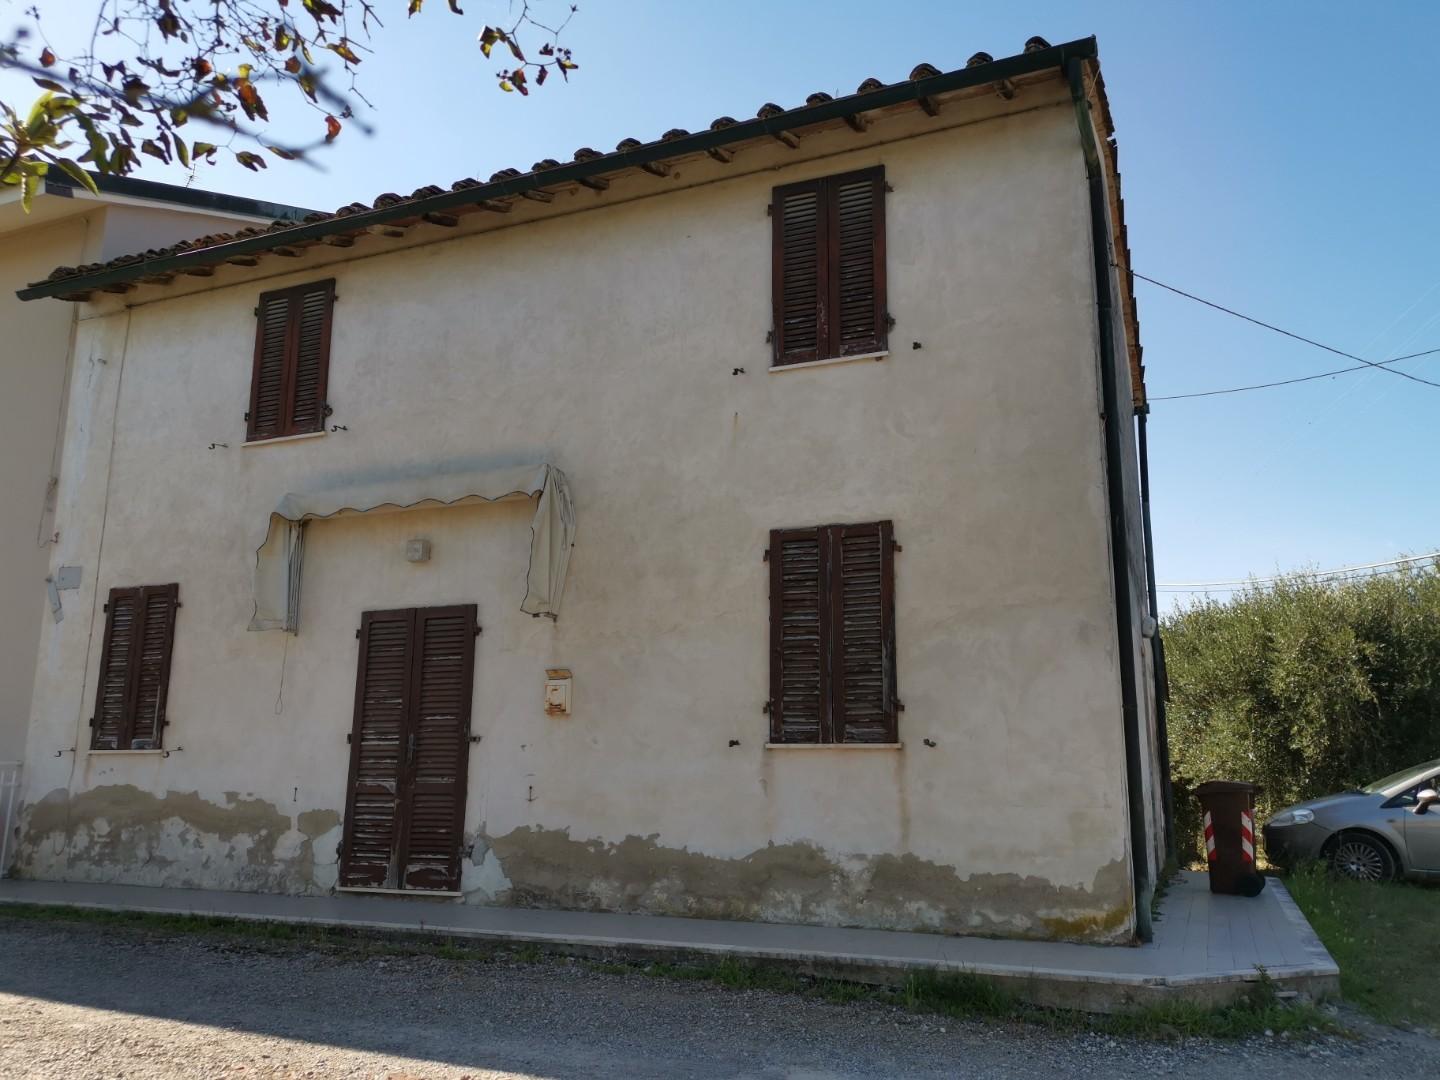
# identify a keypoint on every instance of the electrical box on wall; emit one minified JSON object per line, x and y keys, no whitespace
{"x":417,"y":550}
{"x":557,"y":691}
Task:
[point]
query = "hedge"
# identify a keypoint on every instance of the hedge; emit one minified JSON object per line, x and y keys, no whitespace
{"x":1304,"y":687}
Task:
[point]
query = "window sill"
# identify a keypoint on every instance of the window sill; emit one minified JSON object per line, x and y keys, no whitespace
{"x":845,"y":746}
{"x":284,"y":439}
{"x":158,"y":751}
{"x":775,"y":369}
{"x":419,"y":893}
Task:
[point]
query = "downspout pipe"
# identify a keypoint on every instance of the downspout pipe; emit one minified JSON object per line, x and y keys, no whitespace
{"x":1157,"y":647}
{"x":1116,"y":421}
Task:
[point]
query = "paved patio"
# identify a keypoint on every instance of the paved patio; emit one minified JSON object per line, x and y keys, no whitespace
{"x":1206,"y":947}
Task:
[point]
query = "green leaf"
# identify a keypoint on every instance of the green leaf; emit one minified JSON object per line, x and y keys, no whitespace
{"x":182,"y":152}
{"x":415,"y":7}
{"x":202,"y":149}
{"x":28,"y":184}
{"x":76,"y":173}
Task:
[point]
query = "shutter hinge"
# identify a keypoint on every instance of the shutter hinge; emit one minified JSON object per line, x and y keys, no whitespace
{"x":247,"y":417}
{"x":479,"y":630}
{"x":256,"y":311}
{"x":889,"y":321}
{"x":766,"y":557}
{"x":349,"y":737}
{"x":105,"y":607}
{"x":899,"y":705}
{"x":766,"y":708}
{"x":92,"y":721}
{"x":895,"y":545}
{"x":328,"y":410}
{"x":357,"y":633}
{"x":769,"y":209}
{"x":770,"y":337}
{"x":889,"y":186}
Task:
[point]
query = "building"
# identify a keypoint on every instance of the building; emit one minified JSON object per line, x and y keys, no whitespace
{"x":789,"y":468}
{"x":66,"y":225}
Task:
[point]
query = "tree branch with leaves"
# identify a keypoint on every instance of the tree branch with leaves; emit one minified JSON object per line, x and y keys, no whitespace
{"x":153,"y":68}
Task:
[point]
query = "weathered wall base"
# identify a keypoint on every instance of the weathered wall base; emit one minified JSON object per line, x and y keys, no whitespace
{"x":120,"y":833}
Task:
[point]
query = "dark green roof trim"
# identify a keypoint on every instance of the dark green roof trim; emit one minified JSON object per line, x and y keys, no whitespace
{"x":132,"y":187}
{"x":1054,"y":57}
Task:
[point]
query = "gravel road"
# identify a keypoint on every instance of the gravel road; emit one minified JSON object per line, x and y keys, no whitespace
{"x":78,"y":1001}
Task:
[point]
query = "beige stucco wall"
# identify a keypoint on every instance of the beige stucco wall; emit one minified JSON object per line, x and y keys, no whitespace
{"x":32,"y":374}
{"x":33,"y":363}
{"x":605,"y":343}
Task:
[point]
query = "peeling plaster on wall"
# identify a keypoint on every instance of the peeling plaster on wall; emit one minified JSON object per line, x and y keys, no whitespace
{"x":800,"y":883}
{"x":482,"y":878}
{"x":119,"y":832}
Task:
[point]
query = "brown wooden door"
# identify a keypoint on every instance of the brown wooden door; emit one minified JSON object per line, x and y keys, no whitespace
{"x":409,"y":752}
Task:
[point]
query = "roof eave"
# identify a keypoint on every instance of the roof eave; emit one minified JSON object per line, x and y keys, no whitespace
{"x":1056,"y":56}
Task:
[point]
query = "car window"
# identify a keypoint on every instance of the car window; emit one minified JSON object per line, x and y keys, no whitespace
{"x":1394,"y":778}
{"x":1410,"y":795}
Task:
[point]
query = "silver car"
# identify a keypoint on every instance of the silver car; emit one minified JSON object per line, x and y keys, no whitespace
{"x":1388,"y":829}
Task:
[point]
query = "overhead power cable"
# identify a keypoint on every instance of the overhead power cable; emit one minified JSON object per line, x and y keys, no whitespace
{"x":1289,"y":382}
{"x":1201,"y":586}
{"x":1380,"y":365}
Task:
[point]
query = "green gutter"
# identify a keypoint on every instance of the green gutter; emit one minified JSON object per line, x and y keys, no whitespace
{"x":1116,"y":417}
{"x":1057,"y":56}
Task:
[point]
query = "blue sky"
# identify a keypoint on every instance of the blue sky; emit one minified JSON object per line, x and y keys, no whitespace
{"x":1278,"y":158}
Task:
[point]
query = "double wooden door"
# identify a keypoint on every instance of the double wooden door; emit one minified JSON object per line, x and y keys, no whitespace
{"x":409,"y":750}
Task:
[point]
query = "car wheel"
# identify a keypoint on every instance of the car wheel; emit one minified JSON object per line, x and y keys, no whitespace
{"x":1362,"y":858}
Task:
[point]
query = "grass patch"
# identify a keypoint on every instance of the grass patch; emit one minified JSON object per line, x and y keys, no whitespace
{"x":1386,"y":939}
{"x":1260,"y":1012}
{"x":975,"y":997}
{"x":259,"y":935}
{"x":957,"y":995}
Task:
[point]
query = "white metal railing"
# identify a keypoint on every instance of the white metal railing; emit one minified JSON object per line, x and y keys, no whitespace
{"x":9,"y":810}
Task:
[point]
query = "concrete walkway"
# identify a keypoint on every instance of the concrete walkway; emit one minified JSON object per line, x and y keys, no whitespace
{"x":1206,"y":947}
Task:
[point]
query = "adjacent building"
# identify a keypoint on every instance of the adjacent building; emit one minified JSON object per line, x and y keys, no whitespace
{"x":741,"y":524}
{"x":66,"y":225}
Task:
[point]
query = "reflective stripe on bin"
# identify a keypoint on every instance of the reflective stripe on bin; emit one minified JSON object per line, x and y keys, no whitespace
{"x":1247,"y":836}
{"x":1209,"y":838}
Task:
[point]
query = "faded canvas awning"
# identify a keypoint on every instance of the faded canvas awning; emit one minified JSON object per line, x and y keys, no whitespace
{"x":279,"y":559}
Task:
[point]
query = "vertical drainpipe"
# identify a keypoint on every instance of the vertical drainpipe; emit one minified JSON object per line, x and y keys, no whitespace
{"x":1157,"y":648}
{"x":1115,"y":433}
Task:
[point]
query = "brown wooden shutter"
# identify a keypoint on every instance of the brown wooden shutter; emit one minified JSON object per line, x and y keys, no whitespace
{"x":135,"y":668}
{"x":377,"y":749}
{"x":292,"y":361}
{"x":799,"y":609}
{"x":439,"y":761}
{"x":829,"y":267}
{"x":863,"y":632}
{"x":409,"y":752}
{"x":857,"y":281}
{"x":111,"y":706}
{"x":832,"y":634}
{"x":799,"y":272}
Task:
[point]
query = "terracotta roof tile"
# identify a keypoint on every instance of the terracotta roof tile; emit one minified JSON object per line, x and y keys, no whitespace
{"x":584,"y":154}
